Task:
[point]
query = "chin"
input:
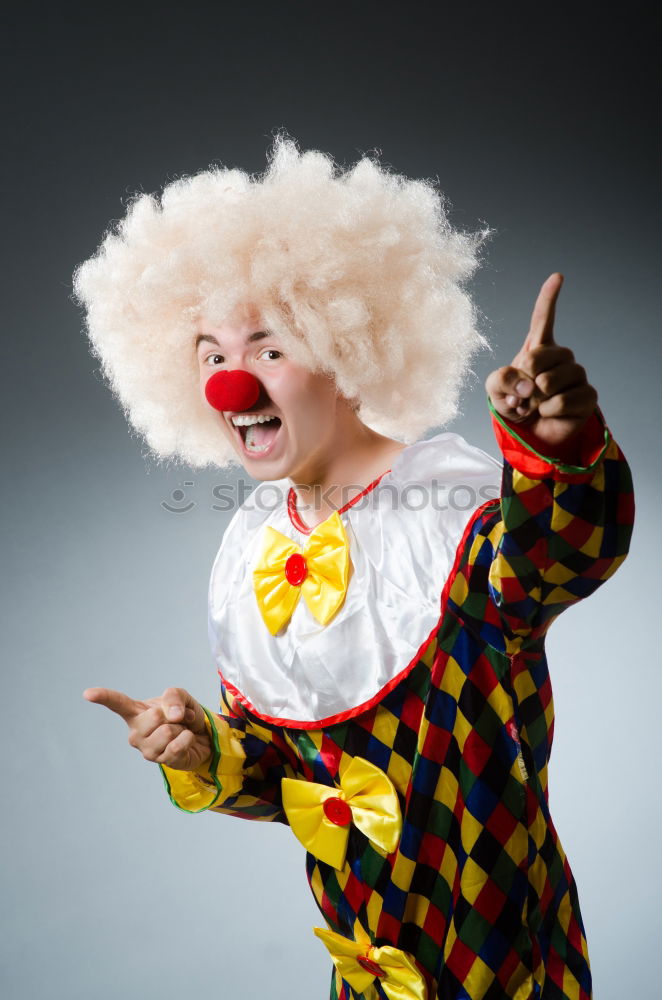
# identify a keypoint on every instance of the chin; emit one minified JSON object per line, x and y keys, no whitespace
{"x":264,"y":469}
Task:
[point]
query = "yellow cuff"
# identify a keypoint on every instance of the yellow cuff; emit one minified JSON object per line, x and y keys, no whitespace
{"x":212,"y":783}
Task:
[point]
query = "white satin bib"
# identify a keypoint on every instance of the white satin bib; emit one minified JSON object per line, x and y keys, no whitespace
{"x":403,"y":536}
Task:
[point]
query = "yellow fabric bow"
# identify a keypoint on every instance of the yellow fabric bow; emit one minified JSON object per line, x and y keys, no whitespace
{"x":319,"y":815}
{"x":397,"y":974}
{"x":326,"y":561}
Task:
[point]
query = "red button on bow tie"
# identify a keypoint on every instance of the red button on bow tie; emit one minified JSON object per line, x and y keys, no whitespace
{"x":337,"y":811}
{"x":295,"y":569}
{"x":370,"y":966}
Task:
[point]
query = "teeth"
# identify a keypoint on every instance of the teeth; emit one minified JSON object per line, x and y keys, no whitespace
{"x":246,"y":419}
{"x":250,"y":444}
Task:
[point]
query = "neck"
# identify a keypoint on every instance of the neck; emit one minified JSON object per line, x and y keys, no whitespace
{"x":354,"y":456}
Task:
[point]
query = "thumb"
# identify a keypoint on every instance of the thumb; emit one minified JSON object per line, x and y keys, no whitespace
{"x":509,"y":381}
{"x":116,"y":701}
{"x":178,"y":705}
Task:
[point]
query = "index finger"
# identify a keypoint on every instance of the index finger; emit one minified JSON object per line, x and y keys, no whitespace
{"x":116,"y":701}
{"x":541,"y":330}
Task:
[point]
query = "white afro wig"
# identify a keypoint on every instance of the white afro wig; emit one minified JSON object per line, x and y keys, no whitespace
{"x":359,"y":273}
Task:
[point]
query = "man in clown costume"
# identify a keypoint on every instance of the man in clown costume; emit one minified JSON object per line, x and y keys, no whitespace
{"x":379,"y":604}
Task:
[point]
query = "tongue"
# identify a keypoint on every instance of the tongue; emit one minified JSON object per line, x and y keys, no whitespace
{"x":261,"y":434}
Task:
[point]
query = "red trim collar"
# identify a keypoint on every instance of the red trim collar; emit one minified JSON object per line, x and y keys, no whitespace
{"x":294,"y":513}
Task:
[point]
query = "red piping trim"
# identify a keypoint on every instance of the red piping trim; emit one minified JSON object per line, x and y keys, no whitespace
{"x":588,"y":446}
{"x":351,"y":713}
{"x":294,"y":513}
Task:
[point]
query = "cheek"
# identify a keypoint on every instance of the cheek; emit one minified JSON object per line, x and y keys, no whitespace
{"x":307,"y":396}
{"x":306,"y":399}
{"x":316,"y":418}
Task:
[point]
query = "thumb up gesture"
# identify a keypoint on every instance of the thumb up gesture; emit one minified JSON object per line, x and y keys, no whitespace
{"x":543,"y":388}
{"x":169,"y":730}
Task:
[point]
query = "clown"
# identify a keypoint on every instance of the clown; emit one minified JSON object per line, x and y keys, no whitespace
{"x":379,"y":621}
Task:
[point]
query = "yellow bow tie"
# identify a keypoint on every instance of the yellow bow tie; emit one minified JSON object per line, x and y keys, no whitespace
{"x":320,"y":816}
{"x":361,"y":963}
{"x":320,"y":572}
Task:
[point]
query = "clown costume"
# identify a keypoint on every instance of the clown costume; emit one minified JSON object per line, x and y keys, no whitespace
{"x":384,"y":688}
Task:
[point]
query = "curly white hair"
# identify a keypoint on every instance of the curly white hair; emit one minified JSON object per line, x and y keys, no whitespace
{"x":358,"y":272}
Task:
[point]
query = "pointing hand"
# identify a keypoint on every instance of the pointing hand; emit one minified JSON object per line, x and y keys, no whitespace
{"x":543,"y":388}
{"x":168,"y":730}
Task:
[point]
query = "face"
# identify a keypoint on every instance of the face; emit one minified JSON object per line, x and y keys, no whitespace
{"x":298,"y":443}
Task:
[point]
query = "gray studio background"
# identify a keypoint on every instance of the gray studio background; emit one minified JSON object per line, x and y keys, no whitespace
{"x":536,"y":119}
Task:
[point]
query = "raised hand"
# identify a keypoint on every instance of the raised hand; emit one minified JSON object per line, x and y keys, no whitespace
{"x":168,"y":730}
{"x":544,"y":388}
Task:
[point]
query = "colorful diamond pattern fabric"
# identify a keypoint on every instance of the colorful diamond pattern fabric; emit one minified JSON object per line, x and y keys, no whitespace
{"x":478,"y":893}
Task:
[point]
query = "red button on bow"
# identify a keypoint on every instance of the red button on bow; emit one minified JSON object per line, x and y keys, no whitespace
{"x":337,"y":810}
{"x":295,"y":569}
{"x":370,"y":966}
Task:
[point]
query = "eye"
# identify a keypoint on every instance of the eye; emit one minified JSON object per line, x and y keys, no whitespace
{"x":218,"y":359}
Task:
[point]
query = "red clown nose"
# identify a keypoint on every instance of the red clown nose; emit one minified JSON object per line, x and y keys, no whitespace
{"x":237,"y":390}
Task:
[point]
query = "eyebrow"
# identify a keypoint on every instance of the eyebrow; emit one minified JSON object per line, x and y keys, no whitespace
{"x":251,"y":338}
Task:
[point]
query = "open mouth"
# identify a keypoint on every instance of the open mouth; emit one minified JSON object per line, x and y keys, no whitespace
{"x":257,"y":434}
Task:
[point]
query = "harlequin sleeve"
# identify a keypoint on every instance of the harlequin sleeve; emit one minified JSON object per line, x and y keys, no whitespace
{"x":561,"y":527}
{"x":243,"y":777}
